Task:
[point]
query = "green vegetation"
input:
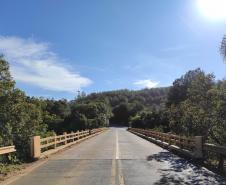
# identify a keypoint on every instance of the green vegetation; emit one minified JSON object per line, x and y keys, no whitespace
{"x":6,"y":169}
{"x":126,"y":105}
{"x":193,"y":105}
{"x":22,"y":117}
{"x":223,"y":48}
{"x":196,"y":106}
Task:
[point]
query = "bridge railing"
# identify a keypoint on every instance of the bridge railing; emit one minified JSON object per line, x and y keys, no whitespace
{"x":7,"y":150}
{"x":193,"y":147}
{"x":219,"y":151}
{"x":189,"y":146}
{"x":44,"y":146}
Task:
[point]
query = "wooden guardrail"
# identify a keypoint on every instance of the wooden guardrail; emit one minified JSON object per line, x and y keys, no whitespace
{"x":44,"y":146}
{"x":7,"y":150}
{"x":216,"y":149}
{"x":194,"y":147}
{"x":188,"y":146}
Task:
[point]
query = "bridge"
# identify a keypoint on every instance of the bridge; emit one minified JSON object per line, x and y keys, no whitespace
{"x":115,"y":157}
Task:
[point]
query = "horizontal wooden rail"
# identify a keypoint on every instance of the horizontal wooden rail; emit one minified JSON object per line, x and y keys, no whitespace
{"x":42,"y":146}
{"x":7,"y":150}
{"x":214,"y":148}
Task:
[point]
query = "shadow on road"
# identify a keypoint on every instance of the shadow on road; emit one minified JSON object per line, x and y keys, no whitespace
{"x":181,"y":171}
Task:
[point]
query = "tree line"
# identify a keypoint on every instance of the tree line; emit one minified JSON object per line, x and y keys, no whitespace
{"x":194,"y":105}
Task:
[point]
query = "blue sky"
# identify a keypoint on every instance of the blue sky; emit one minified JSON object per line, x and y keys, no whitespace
{"x":56,"y":48}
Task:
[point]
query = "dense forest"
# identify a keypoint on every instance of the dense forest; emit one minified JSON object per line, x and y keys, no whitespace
{"x":193,"y":105}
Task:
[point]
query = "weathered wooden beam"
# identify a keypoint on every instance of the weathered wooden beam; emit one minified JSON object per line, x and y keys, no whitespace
{"x":7,"y":150}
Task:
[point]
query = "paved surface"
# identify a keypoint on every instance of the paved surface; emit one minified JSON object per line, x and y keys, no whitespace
{"x":117,"y":157}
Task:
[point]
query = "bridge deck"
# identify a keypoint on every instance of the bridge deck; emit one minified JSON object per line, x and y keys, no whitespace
{"x":117,"y":157}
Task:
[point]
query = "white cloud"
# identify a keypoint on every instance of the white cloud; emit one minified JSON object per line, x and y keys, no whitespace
{"x":34,"y":63}
{"x":146,"y":83}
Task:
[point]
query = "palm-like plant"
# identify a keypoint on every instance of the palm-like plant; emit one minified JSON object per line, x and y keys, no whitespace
{"x":223,"y":47}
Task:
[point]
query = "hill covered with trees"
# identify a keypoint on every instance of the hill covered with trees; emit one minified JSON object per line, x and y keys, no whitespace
{"x":125,"y":104}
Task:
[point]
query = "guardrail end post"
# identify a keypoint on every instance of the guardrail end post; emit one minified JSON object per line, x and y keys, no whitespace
{"x":35,"y":147}
{"x":198,"y":152}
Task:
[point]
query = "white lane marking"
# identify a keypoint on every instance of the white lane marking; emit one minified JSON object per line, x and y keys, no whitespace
{"x":121,"y":180}
{"x":117,"y":147}
{"x":116,"y":170}
{"x":120,"y":175}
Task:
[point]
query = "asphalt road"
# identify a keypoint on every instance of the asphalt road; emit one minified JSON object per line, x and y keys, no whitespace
{"x":117,"y":157}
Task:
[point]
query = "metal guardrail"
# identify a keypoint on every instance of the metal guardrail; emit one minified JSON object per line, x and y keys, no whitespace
{"x":41,"y":146}
{"x":7,"y":150}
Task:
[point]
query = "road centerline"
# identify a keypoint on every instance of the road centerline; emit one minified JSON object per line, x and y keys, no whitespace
{"x":117,"y":146}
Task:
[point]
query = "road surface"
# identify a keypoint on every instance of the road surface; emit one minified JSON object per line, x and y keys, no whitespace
{"x":117,"y":157}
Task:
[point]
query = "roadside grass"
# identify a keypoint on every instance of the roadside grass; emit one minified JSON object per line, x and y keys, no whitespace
{"x":9,"y":169}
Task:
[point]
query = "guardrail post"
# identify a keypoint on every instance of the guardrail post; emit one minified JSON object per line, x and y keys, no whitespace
{"x":220,"y":166}
{"x":198,"y":153}
{"x":78,"y":134}
{"x":170,"y":141}
{"x":180,"y":142}
{"x":71,"y":137}
{"x":65,"y":138}
{"x":55,"y":140}
{"x":35,"y":147}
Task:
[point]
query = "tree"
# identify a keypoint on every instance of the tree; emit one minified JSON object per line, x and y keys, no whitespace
{"x":19,"y":118}
{"x":217,"y":97}
{"x":223,"y":47}
{"x":121,"y":114}
{"x":6,"y":88}
{"x":87,"y":115}
{"x":6,"y":81}
{"x":25,"y":120}
{"x":189,"y":105}
{"x":152,"y":119}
